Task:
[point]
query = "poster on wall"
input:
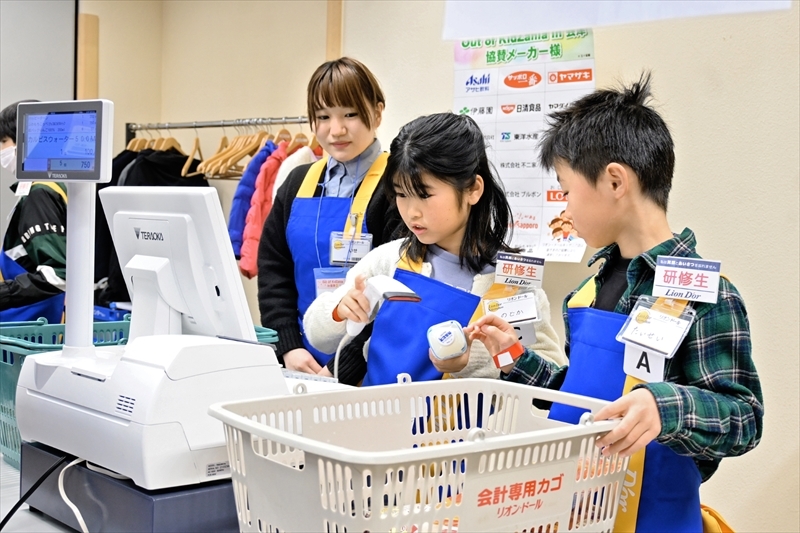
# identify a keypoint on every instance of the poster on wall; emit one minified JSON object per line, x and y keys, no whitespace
{"x":509,"y":85}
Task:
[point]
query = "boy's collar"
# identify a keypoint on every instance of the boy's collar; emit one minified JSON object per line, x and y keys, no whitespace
{"x":681,"y":245}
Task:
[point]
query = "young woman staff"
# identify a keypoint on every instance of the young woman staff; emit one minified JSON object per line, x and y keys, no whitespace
{"x":326,"y":215}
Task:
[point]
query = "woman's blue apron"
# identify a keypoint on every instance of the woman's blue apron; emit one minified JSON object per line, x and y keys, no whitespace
{"x":670,"y":485}
{"x":399,"y":342}
{"x":51,"y":308}
{"x":308,"y":232}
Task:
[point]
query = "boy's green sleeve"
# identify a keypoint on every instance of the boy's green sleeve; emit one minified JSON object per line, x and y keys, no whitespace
{"x":719,"y":411}
{"x":531,"y":369}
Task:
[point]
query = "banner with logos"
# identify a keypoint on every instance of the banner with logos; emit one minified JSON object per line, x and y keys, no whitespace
{"x":509,"y":85}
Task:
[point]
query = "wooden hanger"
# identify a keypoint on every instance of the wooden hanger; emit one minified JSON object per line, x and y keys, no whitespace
{"x":299,"y":140}
{"x":169,"y":143}
{"x":190,"y":158}
{"x":215,"y":165}
{"x":249,"y":148}
{"x":133,"y":144}
{"x":314,"y":143}
{"x":283,"y":135}
{"x":223,"y":144}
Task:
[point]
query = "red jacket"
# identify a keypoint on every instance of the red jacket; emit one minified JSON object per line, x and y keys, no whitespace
{"x":260,"y":205}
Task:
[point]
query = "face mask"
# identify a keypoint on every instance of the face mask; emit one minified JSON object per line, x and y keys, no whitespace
{"x":8,"y":159}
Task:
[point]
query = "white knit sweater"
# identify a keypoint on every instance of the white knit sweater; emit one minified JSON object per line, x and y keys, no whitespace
{"x":324,"y":333}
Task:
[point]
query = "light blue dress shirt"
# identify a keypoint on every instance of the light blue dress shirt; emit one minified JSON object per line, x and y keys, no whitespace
{"x":342,"y":179}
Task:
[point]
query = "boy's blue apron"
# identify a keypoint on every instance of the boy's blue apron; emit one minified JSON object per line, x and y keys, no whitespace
{"x":670,"y":483}
{"x":51,"y":308}
{"x":317,"y":217}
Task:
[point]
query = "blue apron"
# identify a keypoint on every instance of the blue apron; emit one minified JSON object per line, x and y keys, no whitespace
{"x":51,"y":308}
{"x":670,"y":491}
{"x":399,"y":341}
{"x":308,"y":232}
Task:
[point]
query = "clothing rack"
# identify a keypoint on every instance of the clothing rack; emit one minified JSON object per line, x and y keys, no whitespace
{"x":131,"y":128}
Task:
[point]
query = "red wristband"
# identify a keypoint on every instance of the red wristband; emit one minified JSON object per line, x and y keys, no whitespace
{"x":508,"y":356}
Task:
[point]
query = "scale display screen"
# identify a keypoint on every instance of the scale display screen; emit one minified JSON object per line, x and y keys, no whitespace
{"x":64,"y":141}
{"x":60,"y":141}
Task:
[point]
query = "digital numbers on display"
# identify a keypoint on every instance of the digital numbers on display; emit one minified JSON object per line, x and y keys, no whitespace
{"x":60,"y":141}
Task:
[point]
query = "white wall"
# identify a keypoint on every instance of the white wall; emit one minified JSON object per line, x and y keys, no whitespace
{"x":728,"y":88}
{"x":130,"y":59}
{"x":37,"y":61}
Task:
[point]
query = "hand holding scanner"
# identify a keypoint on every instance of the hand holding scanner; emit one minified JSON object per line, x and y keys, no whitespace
{"x":378,"y":289}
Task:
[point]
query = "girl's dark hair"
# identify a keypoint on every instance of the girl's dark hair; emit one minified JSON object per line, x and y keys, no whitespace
{"x":344,"y":82}
{"x":8,"y":120}
{"x":451,"y":148}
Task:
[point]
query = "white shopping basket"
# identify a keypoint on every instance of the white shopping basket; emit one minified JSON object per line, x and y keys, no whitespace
{"x":438,"y":456}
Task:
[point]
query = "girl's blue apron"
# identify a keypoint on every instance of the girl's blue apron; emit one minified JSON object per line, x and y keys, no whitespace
{"x":670,"y":487}
{"x":310,"y":225}
{"x":399,"y":342}
{"x":51,"y":308}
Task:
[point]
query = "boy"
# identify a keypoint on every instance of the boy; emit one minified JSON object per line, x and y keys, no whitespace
{"x":33,"y":259}
{"x":613,"y":156}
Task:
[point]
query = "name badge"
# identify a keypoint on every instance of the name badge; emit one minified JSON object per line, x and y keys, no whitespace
{"x":345,"y":250}
{"x":23,"y":188}
{"x":696,"y":280}
{"x":653,"y":329}
{"x":517,"y":308}
{"x":520,"y":270}
{"x":647,"y":366}
{"x":329,"y":279}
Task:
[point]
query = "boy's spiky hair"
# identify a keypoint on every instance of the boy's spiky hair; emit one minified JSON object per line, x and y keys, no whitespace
{"x":613,"y":126}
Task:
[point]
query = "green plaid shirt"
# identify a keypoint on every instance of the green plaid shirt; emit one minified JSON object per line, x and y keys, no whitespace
{"x":710,"y":402}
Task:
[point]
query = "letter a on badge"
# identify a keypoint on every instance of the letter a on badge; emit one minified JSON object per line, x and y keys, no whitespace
{"x":643,"y":362}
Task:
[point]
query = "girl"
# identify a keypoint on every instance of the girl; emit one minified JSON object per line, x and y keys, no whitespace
{"x":456,"y":217}
{"x":319,"y":202}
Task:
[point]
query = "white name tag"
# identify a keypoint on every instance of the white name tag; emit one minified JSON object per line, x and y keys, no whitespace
{"x":519,"y":270}
{"x":517,"y":308}
{"x":639,"y":363}
{"x":347,"y":250}
{"x":684,"y":278}
{"x":23,"y":188}
{"x":654,"y":331}
{"x":329,"y":279}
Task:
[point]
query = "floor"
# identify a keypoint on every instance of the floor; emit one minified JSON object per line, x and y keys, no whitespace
{"x":24,"y":520}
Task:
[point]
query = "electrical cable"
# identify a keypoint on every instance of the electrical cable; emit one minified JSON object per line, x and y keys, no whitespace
{"x":69,"y":503}
{"x":31,"y":490}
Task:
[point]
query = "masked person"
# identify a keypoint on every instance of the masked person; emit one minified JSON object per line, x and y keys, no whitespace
{"x":33,"y":258}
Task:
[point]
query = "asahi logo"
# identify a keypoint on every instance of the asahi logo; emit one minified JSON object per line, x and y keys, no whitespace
{"x":148,"y":235}
{"x":56,"y":175}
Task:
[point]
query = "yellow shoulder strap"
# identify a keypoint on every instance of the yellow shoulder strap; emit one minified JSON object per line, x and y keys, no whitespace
{"x":585,"y":295}
{"x":309,"y":184}
{"x":362,"y":198}
{"x":626,"y":521}
{"x":53,"y":185}
{"x":365,"y":190}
